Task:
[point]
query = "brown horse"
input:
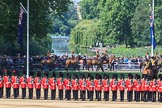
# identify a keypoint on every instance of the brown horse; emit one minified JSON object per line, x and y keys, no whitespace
{"x":95,"y":61}
{"x":50,"y":63}
{"x":151,"y":70}
{"x":73,"y":62}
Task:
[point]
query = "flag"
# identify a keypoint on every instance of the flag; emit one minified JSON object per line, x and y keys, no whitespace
{"x":21,"y":25}
{"x":152,"y":34}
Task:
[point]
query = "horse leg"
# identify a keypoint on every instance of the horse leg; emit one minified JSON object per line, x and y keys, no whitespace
{"x":102,"y":68}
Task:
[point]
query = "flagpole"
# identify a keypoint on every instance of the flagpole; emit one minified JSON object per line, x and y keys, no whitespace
{"x":27,"y":75}
{"x":152,"y":10}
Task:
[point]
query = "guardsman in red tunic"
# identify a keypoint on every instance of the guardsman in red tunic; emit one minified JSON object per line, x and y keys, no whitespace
{"x":129,"y":85}
{"x":99,"y":88}
{"x":60,"y":85}
{"x":154,"y":88}
{"x":45,"y":84}
{"x":23,"y":82}
{"x":114,"y":86}
{"x":65,"y":82}
{"x":15,"y":84}
{"x":1,"y":86}
{"x":8,"y":86}
{"x":37,"y":84}
{"x":160,"y":89}
{"x":142,"y":88}
{"x":146,"y":89}
{"x":134,"y":86}
{"x":30,"y":83}
{"x":75,"y":87}
{"x":87,"y":82}
{"x":158,"y":82}
{"x":138,"y":89}
{"x":83,"y":87}
{"x":121,"y":87}
{"x":96,"y":80}
{"x":68,"y":87}
{"x":53,"y":83}
{"x":106,"y":85}
{"x":80,"y":81}
{"x":91,"y":88}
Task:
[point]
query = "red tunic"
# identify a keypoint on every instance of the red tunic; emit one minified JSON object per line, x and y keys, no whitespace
{"x":113,"y":85}
{"x":83,"y":85}
{"x":91,"y":86}
{"x":15,"y":82}
{"x":1,"y":83}
{"x":135,"y":84}
{"x":68,"y":85}
{"x":121,"y":85}
{"x":37,"y":83}
{"x":60,"y":84}
{"x":75,"y":85}
{"x":143,"y":85}
{"x":129,"y":85}
{"x":52,"y":83}
{"x":30,"y":82}
{"x":23,"y":82}
{"x":160,"y":86}
{"x":45,"y":83}
{"x":138,"y":87}
{"x":105,"y":85}
{"x":99,"y":86}
{"x":8,"y":82}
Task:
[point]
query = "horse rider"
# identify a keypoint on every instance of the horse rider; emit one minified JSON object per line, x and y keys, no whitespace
{"x":147,"y":64}
{"x":147,"y":56}
{"x":85,"y":61}
{"x":72,"y":55}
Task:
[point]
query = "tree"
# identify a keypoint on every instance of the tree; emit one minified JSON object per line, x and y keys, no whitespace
{"x":42,"y":13}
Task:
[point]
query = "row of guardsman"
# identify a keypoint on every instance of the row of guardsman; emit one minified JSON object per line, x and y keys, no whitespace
{"x":138,"y":89}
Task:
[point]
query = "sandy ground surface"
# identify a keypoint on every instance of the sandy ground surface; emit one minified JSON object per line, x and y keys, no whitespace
{"x":26,"y":103}
{"x":19,"y":103}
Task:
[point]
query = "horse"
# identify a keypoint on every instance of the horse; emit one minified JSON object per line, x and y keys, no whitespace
{"x":73,"y":62}
{"x":95,"y":61}
{"x":151,"y":70}
{"x":49,"y":63}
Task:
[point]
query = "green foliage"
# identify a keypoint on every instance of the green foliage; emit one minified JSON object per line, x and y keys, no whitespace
{"x":63,"y":24}
{"x":123,"y":21}
{"x":42,"y":13}
{"x":84,"y":35}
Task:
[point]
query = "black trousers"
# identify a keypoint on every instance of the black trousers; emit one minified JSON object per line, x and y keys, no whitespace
{"x":53,"y":94}
{"x":142,"y":95}
{"x":1,"y":92}
{"x":146,"y":96}
{"x":23,"y":93}
{"x":45,"y":94}
{"x":114,"y":95}
{"x":75,"y":94}
{"x":98,"y":95}
{"x":30,"y":93}
{"x":87,"y":94}
{"x":154,"y":96}
{"x":150,"y":96}
{"x":91,"y":93}
{"x":160,"y":97}
{"x":137,"y":96}
{"x":8,"y":92}
{"x":38,"y":93}
{"x":106,"y":95}
{"x":130,"y":95}
{"x":16,"y":90}
{"x":122,"y":95}
{"x":61,"y":94}
{"x":83,"y":94}
{"x":68,"y":94}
